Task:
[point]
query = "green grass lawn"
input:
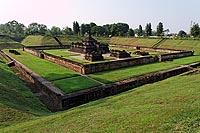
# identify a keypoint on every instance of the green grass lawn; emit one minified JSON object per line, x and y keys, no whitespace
{"x":46,"y":69}
{"x":17,"y":102}
{"x":60,"y":76}
{"x":181,"y":44}
{"x":125,"y":73}
{"x":75,"y":83}
{"x":147,"y":42}
{"x":171,"y":105}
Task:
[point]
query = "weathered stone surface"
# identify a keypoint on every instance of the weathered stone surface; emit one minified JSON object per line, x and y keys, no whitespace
{"x":89,"y":45}
{"x":120,"y":54}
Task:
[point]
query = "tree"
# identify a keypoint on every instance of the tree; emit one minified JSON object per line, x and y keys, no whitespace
{"x":182,"y":33}
{"x":67,"y":31}
{"x":12,"y":28}
{"x":140,"y":31}
{"x":195,"y":30}
{"x":92,"y":24}
{"x":76,"y":28}
{"x":107,"y":28}
{"x":36,"y":29}
{"x":131,"y":32}
{"x":55,"y":31}
{"x":98,"y":30}
{"x":148,"y":29}
{"x":159,"y":31}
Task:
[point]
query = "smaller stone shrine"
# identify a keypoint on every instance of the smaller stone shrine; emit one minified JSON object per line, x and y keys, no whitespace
{"x":89,"y":45}
{"x":142,"y":53}
{"x":120,"y":54}
{"x":94,"y":56}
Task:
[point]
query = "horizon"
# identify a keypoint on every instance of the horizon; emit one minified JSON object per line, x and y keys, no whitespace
{"x":175,"y":15}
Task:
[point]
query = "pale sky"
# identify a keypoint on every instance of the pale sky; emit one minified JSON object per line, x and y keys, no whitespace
{"x":175,"y":14}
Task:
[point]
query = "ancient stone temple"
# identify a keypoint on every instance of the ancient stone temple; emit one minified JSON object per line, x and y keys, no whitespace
{"x":120,"y":54}
{"x":89,"y":45}
{"x":94,"y":56}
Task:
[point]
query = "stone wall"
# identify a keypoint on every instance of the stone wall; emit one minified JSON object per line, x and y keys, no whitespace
{"x":48,"y":47}
{"x":170,"y":56}
{"x":84,"y":96}
{"x":110,"y":65}
{"x":51,"y":96}
{"x":147,"y":48}
{"x":78,"y":67}
{"x":56,"y":100}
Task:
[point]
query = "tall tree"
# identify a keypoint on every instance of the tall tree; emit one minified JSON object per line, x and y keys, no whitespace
{"x":98,"y":30}
{"x":55,"y":31}
{"x":131,"y":32}
{"x":36,"y":29}
{"x":67,"y":31}
{"x":160,"y":29}
{"x":76,"y":27}
{"x":195,"y":30}
{"x":140,"y":31}
{"x":148,"y":29}
{"x":182,"y":33}
{"x":13,"y":28}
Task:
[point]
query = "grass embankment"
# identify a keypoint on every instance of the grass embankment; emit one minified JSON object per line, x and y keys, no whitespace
{"x":182,"y":44}
{"x":59,"y":75}
{"x":125,"y":73}
{"x":171,"y":105}
{"x":17,"y":103}
{"x":147,"y":42}
{"x":39,"y":40}
{"x":7,"y":42}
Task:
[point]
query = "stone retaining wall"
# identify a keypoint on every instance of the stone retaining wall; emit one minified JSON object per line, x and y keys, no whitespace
{"x":84,"y":96}
{"x":147,"y":48}
{"x":48,"y":47}
{"x":56,"y":100}
{"x":51,"y":95}
{"x":110,"y":65}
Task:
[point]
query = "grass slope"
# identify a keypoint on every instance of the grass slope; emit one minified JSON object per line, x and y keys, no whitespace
{"x":181,"y":44}
{"x":7,"y":42}
{"x":17,"y":102}
{"x":38,"y":40}
{"x":148,"y":42}
{"x":171,"y":105}
{"x":46,"y":69}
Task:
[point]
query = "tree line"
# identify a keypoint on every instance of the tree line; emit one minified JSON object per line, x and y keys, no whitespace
{"x":14,"y":28}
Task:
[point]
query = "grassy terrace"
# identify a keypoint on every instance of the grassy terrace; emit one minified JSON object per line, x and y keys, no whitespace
{"x":133,"y":50}
{"x":182,"y":44}
{"x":67,"y":55}
{"x":148,"y":42}
{"x":125,"y":73}
{"x":17,"y":103}
{"x":39,"y":40}
{"x":6,"y":42}
{"x":62,"y":77}
{"x":171,"y":105}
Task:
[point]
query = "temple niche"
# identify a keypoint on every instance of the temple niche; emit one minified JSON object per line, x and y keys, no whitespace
{"x":92,"y":49}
